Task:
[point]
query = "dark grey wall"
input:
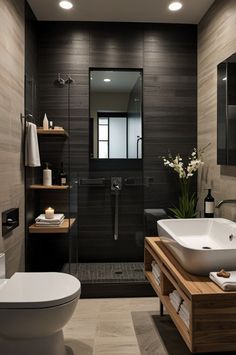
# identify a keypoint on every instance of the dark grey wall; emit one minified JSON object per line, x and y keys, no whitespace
{"x":167,"y":55}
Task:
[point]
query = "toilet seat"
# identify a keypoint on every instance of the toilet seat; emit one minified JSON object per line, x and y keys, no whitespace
{"x":38,"y":290}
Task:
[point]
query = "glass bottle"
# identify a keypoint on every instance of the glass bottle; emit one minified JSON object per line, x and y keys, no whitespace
{"x":209,"y":205}
{"x":62,"y":176}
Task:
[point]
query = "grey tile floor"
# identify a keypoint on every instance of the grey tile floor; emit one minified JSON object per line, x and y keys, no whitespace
{"x":105,"y":326}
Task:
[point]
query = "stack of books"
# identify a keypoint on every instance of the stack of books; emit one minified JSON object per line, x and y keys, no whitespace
{"x":42,"y":221}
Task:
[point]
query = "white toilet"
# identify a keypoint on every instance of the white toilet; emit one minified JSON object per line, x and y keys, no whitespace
{"x":34,"y":307}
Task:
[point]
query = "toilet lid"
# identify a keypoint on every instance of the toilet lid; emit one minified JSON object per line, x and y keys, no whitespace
{"x":39,"y":290}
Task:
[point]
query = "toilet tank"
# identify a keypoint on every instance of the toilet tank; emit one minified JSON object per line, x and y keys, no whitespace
{"x":2,"y":266}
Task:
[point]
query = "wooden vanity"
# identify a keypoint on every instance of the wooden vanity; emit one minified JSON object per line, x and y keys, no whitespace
{"x":212,"y":311}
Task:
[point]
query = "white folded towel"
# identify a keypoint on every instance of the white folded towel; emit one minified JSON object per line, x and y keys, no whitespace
{"x":184,"y":318}
{"x":174,"y":304}
{"x":184,"y":309}
{"x":32,"y":157}
{"x":177,"y":296}
{"x":42,"y":220}
{"x":157,"y":276}
{"x":175,"y":299}
{"x":227,"y":284}
{"x":156,"y":270}
{"x":42,"y":224}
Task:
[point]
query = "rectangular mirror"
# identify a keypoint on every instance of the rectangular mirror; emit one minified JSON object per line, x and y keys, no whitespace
{"x":115,"y":127}
{"x":226,"y":111}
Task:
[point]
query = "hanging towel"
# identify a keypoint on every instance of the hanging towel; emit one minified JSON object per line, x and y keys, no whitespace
{"x":227,"y":284}
{"x":32,"y":157}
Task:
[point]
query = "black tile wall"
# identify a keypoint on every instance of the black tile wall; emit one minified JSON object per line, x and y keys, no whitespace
{"x":167,"y":54}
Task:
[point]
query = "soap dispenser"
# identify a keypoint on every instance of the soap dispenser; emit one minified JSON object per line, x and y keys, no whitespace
{"x":47,"y":176}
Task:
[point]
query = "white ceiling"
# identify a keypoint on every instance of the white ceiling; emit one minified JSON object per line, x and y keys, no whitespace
{"x":121,"y":11}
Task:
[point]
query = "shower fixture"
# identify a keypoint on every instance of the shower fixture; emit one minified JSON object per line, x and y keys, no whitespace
{"x":116,"y":187}
{"x":69,"y":79}
{"x":60,"y":82}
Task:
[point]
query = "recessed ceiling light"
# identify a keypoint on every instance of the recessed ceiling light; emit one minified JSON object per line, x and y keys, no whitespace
{"x":66,"y":5}
{"x":107,"y":80}
{"x":175,"y":6}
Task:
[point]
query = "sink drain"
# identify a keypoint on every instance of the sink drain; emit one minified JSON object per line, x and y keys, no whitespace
{"x":206,"y":247}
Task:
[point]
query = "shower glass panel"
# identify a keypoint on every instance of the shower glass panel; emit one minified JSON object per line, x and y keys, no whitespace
{"x":134,"y":135}
{"x":110,"y":192}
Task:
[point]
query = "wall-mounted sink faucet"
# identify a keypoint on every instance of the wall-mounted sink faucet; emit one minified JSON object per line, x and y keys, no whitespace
{"x":225,"y":201}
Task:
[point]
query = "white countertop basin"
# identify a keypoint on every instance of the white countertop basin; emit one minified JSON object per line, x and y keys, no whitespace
{"x":200,"y":245}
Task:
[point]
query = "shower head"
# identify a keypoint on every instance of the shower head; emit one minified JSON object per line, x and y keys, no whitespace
{"x":60,"y":82}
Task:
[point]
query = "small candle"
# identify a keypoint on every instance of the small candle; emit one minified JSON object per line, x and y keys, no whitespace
{"x":49,"y":213}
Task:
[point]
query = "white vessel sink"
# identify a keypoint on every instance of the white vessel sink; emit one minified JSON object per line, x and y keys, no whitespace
{"x":200,"y":245}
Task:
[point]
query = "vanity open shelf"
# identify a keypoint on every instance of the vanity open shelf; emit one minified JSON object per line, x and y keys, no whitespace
{"x":52,"y":132}
{"x":51,"y":187}
{"x":62,"y":228}
{"x":212,"y":311}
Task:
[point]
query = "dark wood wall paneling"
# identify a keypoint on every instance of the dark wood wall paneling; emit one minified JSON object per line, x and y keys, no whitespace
{"x":167,"y":54}
{"x":170,"y":105}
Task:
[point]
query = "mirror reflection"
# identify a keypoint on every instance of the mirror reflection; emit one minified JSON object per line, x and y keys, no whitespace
{"x":115,"y":114}
{"x":226,"y":111}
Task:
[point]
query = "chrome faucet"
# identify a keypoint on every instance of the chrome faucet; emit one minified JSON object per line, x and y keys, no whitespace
{"x":116,"y":184}
{"x":225,"y":201}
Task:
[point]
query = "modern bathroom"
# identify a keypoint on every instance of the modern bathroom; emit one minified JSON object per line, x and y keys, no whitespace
{"x":118,"y":178}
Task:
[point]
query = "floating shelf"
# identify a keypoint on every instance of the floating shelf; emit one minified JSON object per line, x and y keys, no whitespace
{"x":52,"y":132}
{"x":62,"y":228}
{"x":51,"y":187}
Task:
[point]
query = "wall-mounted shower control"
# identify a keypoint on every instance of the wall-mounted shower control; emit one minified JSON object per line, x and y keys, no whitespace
{"x":10,"y":220}
{"x":116,"y":183}
{"x":116,"y":186}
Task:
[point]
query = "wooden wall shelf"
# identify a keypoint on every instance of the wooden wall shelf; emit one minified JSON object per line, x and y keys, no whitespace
{"x":52,"y":132}
{"x":212,"y":311}
{"x":63,"y":228}
{"x":52,"y":187}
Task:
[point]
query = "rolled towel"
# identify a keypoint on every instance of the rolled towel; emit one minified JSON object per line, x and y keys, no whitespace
{"x":227,"y":284}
